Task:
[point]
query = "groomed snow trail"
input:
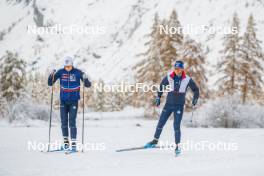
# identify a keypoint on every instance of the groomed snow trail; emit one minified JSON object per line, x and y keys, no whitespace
{"x":17,"y":160}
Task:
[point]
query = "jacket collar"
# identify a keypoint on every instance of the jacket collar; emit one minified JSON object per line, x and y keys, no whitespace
{"x":172,"y":75}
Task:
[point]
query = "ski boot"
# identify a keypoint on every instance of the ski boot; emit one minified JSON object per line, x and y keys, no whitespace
{"x":73,"y":147}
{"x":66,"y":144}
{"x":151,"y":144}
{"x":177,"y":151}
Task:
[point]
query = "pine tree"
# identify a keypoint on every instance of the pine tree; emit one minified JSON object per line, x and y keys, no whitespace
{"x":37,"y":87}
{"x":251,"y":70}
{"x":88,"y":97}
{"x":12,"y":72}
{"x":194,"y":59}
{"x":99,"y":98}
{"x":149,"y":70}
{"x":229,"y":65}
{"x":171,"y":41}
{"x":116,"y":101}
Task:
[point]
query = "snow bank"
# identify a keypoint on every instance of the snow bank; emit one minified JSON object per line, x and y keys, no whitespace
{"x":228,"y":112}
{"x":25,"y":112}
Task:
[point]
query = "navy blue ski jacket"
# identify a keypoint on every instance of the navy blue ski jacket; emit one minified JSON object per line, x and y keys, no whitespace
{"x":179,"y":87}
{"x":69,"y":83}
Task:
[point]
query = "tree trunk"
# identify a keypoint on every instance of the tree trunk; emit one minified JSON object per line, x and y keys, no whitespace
{"x":244,"y":91}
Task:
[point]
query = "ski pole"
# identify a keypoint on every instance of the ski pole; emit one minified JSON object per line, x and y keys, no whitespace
{"x":158,"y":111}
{"x":51,"y":107}
{"x":83,"y":121}
{"x":192,"y":115}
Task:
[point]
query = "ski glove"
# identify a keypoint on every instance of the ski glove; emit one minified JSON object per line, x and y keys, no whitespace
{"x":157,"y":101}
{"x":52,"y":72}
{"x":194,"y":102}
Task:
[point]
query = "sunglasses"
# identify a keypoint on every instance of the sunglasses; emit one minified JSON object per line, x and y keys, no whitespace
{"x":68,"y":66}
{"x":178,"y":69}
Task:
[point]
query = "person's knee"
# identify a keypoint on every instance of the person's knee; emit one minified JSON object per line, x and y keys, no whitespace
{"x":72,"y":124}
{"x":159,"y":128}
{"x":177,"y":128}
{"x":64,"y":126}
{"x":160,"y":125}
{"x":64,"y":121}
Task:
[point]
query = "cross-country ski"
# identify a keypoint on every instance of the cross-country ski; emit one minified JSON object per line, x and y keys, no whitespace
{"x":134,"y":148}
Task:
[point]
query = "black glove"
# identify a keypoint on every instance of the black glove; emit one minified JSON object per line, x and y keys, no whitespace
{"x":157,"y":101}
{"x":52,"y":72}
{"x":194,"y":102}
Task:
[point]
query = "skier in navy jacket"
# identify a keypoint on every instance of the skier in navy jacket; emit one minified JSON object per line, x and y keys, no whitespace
{"x":179,"y":83}
{"x":69,"y":95}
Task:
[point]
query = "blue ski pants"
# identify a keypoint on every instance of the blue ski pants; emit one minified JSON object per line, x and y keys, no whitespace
{"x":177,"y":110}
{"x":68,"y":112}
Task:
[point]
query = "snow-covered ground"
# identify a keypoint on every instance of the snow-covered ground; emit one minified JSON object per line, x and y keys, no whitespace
{"x":247,"y":160}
